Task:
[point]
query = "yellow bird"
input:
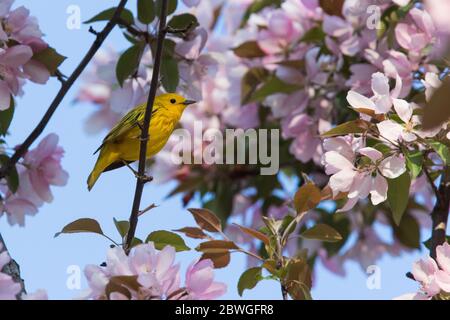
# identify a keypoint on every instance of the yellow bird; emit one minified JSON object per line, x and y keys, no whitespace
{"x":121,"y":146}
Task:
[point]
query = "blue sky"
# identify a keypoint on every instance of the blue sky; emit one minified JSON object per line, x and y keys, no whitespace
{"x":44,"y":259}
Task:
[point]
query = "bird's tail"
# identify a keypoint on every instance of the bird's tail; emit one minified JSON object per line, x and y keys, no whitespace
{"x":105,"y":159}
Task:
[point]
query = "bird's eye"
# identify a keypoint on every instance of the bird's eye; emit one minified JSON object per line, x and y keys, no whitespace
{"x":173,"y":101}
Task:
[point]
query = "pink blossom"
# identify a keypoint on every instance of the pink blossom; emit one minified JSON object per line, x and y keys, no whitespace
{"x":23,"y":28}
{"x":156,"y":274}
{"x":416,"y":33}
{"x":40,"y":169}
{"x":380,"y":102}
{"x":44,"y":167}
{"x":363,"y":180}
{"x":191,"y":3}
{"x":38,"y":295}
{"x":8,"y":288}
{"x":438,"y":10}
{"x":433,"y":275}
{"x":431,"y":83}
{"x":200,"y":283}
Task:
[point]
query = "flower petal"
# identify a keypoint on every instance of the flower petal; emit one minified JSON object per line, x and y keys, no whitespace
{"x":378,"y":194}
{"x":392,"y":167}
{"x":358,"y":101}
{"x":371,"y":153}
{"x":403,"y":109}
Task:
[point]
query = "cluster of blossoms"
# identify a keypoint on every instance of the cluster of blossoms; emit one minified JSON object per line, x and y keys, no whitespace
{"x":148,"y":274}
{"x":433,"y":276}
{"x":318,"y":59}
{"x":9,"y":289}
{"x":39,"y":169}
{"x":20,"y":40}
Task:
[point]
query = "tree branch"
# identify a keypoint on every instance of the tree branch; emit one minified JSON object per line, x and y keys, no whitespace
{"x":12,"y":269}
{"x":66,"y":85}
{"x":439,"y":215}
{"x":140,"y":180}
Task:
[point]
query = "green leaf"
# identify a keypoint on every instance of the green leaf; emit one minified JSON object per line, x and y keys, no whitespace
{"x":272,"y":86}
{"x":321,"y":232}
{"x":314,"y":35}
{"x":122,"y":227}
{"x":249,"y":50}
{"x":295,"y":64}
{"x":249,"y":279}
{"x":307,"y":197}
{"x":427,"y":243}
{"x":351,"y":127}
{"x":12,"y":177}
{"x":170,"y":76}
{"x":182,"y":21}
{"x":135,"y":242}
{"x":82,"y":225}
{"x":129,"y":62}
{"x":298,"y":279}
{"x":398,"y":195}
{"x":126,"y":15}
{"x":6,"y":117}
{"x":442,"y":150}
{"x":13,"y":180}
{"x":50,"y":59}
{"x":171,"y":6}
{"x":414,"y":162}
{"x":257,"y":6}
{"x":252,"y":78}
{"x":146,"y":11}
{"x":187,"y":185}
{"x":408,"y":232}
{"x":164,"y":238}
{"x":216,"y":246}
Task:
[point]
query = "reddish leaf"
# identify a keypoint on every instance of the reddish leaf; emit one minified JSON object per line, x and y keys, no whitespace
{"x":192,"y":232}
{"x":307,"y":197}
{"x":254,"y":233}
{"x":220,"y":260}
{"x":206,"y":220}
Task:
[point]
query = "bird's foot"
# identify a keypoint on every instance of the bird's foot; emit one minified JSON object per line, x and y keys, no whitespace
{"x":144,"y":178}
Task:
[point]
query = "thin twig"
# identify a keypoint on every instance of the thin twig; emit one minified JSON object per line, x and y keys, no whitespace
{"x":145,"y":136}
{"x":66,"y":85}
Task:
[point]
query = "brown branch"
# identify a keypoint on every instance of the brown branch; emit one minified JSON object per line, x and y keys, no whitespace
{"x":12,"y":268}
{"x":65,"y":87}
{"x":145,"y":136}
{"x":439,"y":215}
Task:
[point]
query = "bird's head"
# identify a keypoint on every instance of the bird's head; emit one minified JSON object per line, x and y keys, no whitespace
{"x":173,"y":100}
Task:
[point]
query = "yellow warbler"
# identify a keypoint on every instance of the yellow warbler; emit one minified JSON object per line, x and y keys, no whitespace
{"x":121,"y":146}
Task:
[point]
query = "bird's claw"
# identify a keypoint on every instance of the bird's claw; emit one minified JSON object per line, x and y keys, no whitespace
{"x":144,"y":178}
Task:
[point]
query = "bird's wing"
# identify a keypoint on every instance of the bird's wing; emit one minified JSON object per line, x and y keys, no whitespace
{"x":132,"y":119}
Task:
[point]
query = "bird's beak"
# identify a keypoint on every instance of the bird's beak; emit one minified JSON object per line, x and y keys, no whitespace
{"x":188,"y":102}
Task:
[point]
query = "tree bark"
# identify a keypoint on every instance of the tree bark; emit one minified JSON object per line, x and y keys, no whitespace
{"x":439,"y":215}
